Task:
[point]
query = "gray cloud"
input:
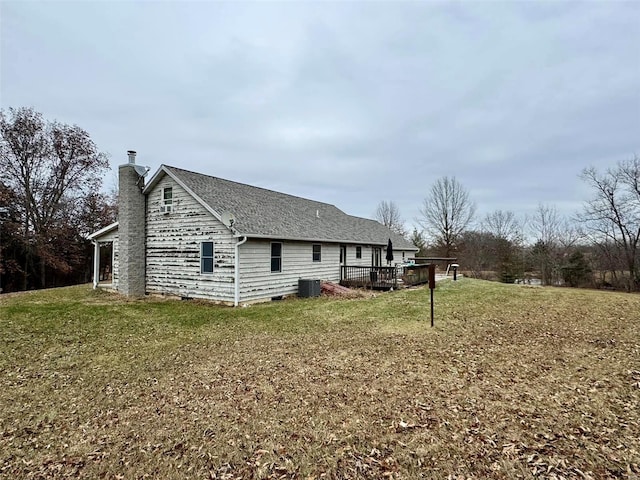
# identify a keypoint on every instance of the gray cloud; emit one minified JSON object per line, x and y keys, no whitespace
{"x":349,"y":103}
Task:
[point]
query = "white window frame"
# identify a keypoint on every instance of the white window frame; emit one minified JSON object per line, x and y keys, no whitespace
{"x":203,"y":258}
{"x":271,"y":257}
{"x":313,"y":253}
{"x":166,"y":204}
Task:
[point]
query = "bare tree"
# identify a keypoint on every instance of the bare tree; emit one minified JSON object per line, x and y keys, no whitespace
{"x":502,"y":224}
{"x":498,"y":246}
{"x":612,"y":216}
{"x":477,"y":252}
{"x":545,"y":224}
{"x":556,"y":240}
{"x":52,"y":168}
{"x":388,"y":214}
{"x":545,"y":227}
{"x":446,"y":213}
{"x":570,"y":234}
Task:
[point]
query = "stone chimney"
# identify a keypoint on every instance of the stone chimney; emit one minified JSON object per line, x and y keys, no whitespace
{"x":131,"y":229}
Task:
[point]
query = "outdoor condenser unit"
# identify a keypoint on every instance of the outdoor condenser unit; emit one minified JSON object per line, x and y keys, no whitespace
{"x":308,"y":288}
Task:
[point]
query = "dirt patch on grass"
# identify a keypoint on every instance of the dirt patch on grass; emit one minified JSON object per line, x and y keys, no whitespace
{"x":512,"y":383}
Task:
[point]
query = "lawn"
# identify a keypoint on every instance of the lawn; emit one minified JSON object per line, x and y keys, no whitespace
{"x":513,"y":382}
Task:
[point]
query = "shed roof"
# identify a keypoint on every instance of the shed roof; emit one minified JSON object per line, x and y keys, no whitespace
{"x":263,"y":213}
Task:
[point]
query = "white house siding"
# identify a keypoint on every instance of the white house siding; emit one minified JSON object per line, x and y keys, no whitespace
{"x":407,"y":255}
{"x":257,"y":282}
{"x":397,"y":256}
{"x":173,"y":248}
{"x":111,"y":236}
{"x":365,"y":261}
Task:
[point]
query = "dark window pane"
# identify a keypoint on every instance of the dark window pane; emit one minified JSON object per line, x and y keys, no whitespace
{"x":207,"y":249}
{"x":317,"y":249}
{"x":207,"y":265}
{"x":276,"y":257}
{"x":275,"y":264}
{"x":206,"y":258}
{"x":358,"y":252}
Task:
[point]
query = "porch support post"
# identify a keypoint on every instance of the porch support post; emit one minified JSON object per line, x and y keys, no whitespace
{"x":96,"y":263}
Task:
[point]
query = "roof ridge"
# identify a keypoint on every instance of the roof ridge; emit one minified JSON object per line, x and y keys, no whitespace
{"x":364,"y":218}
{"x":254,"y":186}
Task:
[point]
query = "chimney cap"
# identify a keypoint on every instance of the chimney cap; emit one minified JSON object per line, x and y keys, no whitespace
{"x":132,"y":156}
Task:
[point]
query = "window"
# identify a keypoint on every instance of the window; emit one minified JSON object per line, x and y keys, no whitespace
{"x":276,"y":257}
{"x":206,"y":257}
{"x":358,"y":252}
{"x":317,"y":253}
{"x":167,"y":200}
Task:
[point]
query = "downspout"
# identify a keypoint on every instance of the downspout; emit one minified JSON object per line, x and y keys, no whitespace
{"x":96,"y":263}
{"x":236,"y":299}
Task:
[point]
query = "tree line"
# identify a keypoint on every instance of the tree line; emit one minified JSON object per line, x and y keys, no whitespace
{"x":596,"y":247}
{"x":50,"y":200}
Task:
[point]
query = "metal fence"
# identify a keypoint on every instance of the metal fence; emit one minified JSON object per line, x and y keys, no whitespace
{"x":381,"y":278}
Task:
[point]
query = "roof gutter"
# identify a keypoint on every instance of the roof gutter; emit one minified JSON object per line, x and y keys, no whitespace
{"x":326,"y":240}
{"x":236,"y":297}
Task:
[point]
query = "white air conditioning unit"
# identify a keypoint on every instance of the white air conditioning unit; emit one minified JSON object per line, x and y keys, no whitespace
{"x":166,"y":208}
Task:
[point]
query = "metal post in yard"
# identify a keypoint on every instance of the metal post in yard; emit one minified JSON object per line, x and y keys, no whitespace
{"x":455,"y":271}
{"x":432,"y":286}
{"x":431,"y":290}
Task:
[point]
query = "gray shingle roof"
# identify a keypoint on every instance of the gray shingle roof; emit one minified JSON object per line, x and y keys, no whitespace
{"x":260,"y":212}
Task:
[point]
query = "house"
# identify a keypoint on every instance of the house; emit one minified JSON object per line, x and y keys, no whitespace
{"x":197,"y":236}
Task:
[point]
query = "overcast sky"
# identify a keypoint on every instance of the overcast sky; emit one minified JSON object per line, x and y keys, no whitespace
{"x":348,"y":103}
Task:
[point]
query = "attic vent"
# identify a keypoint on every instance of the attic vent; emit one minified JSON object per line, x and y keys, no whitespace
{"x":317,"y":213}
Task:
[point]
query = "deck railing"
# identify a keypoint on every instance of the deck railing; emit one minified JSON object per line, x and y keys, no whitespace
{"x":369,"y":277}
{"x":383,"y":278}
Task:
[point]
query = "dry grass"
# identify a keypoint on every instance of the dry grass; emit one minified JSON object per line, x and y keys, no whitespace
{"x":513,"y":382}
